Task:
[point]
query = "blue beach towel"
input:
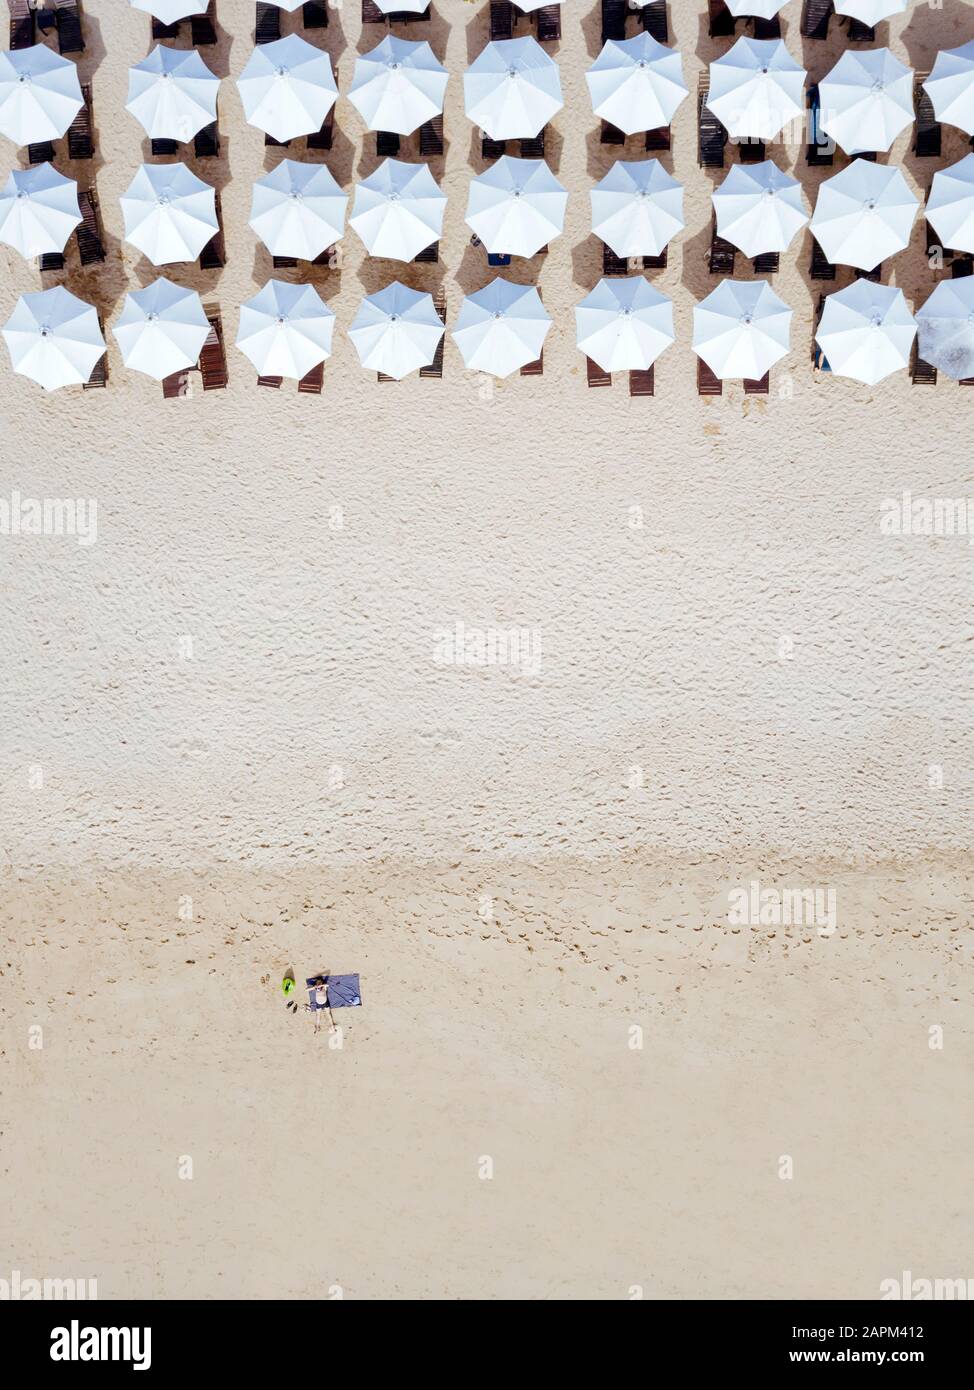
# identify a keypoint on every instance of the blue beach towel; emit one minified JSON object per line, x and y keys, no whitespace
{"x":343,"y":991}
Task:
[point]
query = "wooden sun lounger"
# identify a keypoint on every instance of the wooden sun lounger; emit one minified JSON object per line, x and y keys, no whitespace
{"x":431,"y":137}
{"x":595,"y":374}
{"x":328,"y":257}
{"x":429,"y":254}
{"x":371,"y":14}
{"x":614,"y":14}
{"x":314,"y":14}
{"x":310,"y":384}
{"x":653,"y":19}
{"x":921,"y":372}
{"x":751,"y":151}
{"x":534,"y":147}
{"x":213,"y":359}
{"x":655,"y":262}
{"x":70,"y":38}
{"x":642,"y":381}
{"x":492,"y":149}
{"x":707,"y":383}
{"x":213,"y":256}
{"x":767,"y":28}
{"x":165,"y":31}
{"x":21,"y":24}
{"x":722,"y":255}
{"x":658,"y":139}
{"x":815,"y":18}
{"x":548,"y":19}
{"x":712,"y":136}
{"x":501,"y":20}
{"x":322,"y":139}
{"x":820,"y":148}
{"x":91,"y":247}
{"x":767,"y":263}
{"x":163,"y":146}
{"x":81,"y":145}
{"x":927,"y":140}
{"x":267,"y":24}
{"x":269,"y":140}
{"x":821,"y":268}
{"x":175,"y":386}
{"x":273,"y":381}
{"x":611,"y":134}
{"x":435,"y":368}
{"x":722,"y":22}
{"x":206,"y":142}
{"x":613,"y":264}
{"x":387,"y":143}
{"x":876,"y":274}
{"x":45,"y":18}
{"x":99,"y":372}
{"x":962,"y":265}
{"x":204,"y":26}
{"x":759,"y":386}
{"x":284,"y":262}
{"x":51,"y":260}
{"x":861,"y":33}
{"x":41,"y":153}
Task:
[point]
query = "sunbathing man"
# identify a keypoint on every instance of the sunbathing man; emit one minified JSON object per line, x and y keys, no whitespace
{"x":321,"y":1002}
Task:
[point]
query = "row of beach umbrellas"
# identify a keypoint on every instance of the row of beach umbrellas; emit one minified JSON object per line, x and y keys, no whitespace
{"x":512,"y":89}
{"x":863,"y":214}
{"x":740,"y":330}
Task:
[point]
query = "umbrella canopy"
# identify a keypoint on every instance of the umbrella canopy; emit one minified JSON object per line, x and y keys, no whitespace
{"x":162,"y":329}
{"x":398,"y":85}
{"x":636,"y":84}
{"x":172,"y":93}
{"x":516,"y":206}
{"x":759,"y":208}
{"x":512,"y":89}
{"x":501,"y":328}
{"x":398,"y":210}
{"x":287,"y":87}
{"x":170,"y":11}
{"x":756,"y":88}
{"x":950,"y":207}
{"x":169,"y":213}
{"x":624,"y":325}
{"x":637,"y":207}
{"x":866,"y":331}
{"x":864,"y":214}
{"x":394,"y":7}
{"x":870,"y":12}
{"x":760,"y":9}
{"x":396,"y":330}
{"x":38,"y":210}
{"x":950,"y":87}
{"x":285,"y":329}
{"x":866,"y":100}
{"x":741,"y":329}
{"x":298,"y":209}
{"x":40,"y":95}
{"x":54,"y":338}
{"x":945,"y":328}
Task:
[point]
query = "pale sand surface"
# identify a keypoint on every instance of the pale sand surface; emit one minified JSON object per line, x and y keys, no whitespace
{"x":506,"y":1038}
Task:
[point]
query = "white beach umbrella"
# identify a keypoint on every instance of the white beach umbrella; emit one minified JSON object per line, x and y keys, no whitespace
{"x":285,"y":329}
{"x":396,"y":330}
{"x":866,"y":331}
{"x":760,"y":9}
{"x":636,"y":84}
{"x":162,"y":329}
{"x":871,"y":12}
{"x":409,"y":7}
{"x":741,"y":329}
{"x":516,"y":206}
{"x":637,"y":207}
{"x":945,"y":328}
{"x":756,"y":88}
{"x":950,"y":207}
{"x":512,"y":89}
{"x":866,"y":100}
{"x":398,"y":210}
{"x":759,"y":208}
{"x":950,"y":87}
{"x":169,"y":213}
{"x":54,"y":338}
{"x":398,"y":85}
{"x":40,"y":94}
{"x":170,"y":11}
{"x":298,"y":209}
{"x":38,"y":210}
{"x":864,"y":214}
{"x":287,"y":87}
{"x":501,"y":328}
{"x":172,"y":93}
{"x":624,"y":325}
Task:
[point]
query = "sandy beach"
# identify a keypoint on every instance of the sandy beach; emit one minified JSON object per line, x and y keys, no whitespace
{"x":230,"y":747}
